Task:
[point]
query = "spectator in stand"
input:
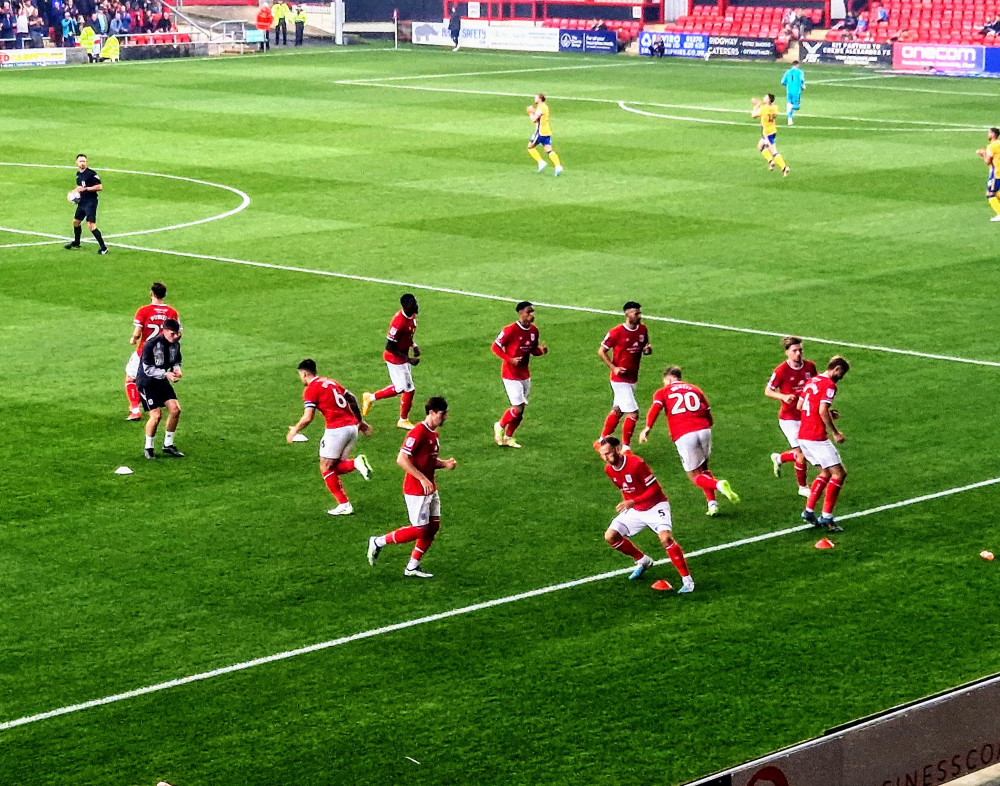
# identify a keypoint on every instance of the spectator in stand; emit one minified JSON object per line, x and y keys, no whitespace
{"x":264,"y":20}
{"x":21,"y":27}
{"x":862,"y":25}
{"x":882,"y":14}
{"x":165,"y":23}
{"x":116,"y":25}
{"x":598,"y":24}
{"x":992,"y":28}
{"x":37,"y":30}
{"x":657,"y":48}
{"x":70,"y":30}
{"x":6,"y":26}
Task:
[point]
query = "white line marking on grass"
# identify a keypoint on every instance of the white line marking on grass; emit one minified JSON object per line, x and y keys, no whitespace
{"x":489,"y":604}
{"x":362,"y":82}
{"x":244,"y":198}
{"x":952,"y":93}
{"x":839,"y":79}
{"x":560,"y":306}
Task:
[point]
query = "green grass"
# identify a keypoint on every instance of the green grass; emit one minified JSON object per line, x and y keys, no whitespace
{"x":111,"y":583}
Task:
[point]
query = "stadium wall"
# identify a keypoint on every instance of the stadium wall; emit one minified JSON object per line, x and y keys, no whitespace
{"x":931,"y":741}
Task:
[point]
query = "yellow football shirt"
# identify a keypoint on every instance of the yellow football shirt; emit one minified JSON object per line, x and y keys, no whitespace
{"x":993,"y":149}
{"x":542,"y":124}
{"x":768,"y":113}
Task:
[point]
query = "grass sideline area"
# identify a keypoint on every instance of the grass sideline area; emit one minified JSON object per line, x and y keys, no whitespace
{"x":879,"y":238}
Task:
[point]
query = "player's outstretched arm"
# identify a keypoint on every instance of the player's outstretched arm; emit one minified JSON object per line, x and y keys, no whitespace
{"x":304,"y":421}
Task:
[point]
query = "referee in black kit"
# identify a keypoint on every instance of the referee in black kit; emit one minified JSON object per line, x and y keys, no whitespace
{"x":159,"y":367}
{"x":87,"y":186}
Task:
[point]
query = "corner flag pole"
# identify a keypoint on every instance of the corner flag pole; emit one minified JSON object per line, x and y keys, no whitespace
{"x":395,"y":25}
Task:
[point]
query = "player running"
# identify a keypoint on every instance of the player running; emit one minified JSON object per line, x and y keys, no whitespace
{"x":766,"y":112}
{"x":419,"y":459}
{"x":785,"y":385}
{"x":689,"y":418}
{"x":88,"y":184}
{"x":991,"y":156}
{"x":159,"y":368}
{"x":794,"y":81}
{"x":643,"y":505}
{"x":147,"y":324}
{"x":539,"y":114}
{"x":400,"y":353}
{"x":343,"y":423}
{"x":817,"y":416}
{"x":621,"y":351}
{"x":514,"y":346}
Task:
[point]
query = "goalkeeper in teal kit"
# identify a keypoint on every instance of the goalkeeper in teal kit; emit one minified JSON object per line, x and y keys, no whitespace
{"x":795,"y":82}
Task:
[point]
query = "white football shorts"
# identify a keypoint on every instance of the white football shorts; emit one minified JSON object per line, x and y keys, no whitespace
{"x":790,"y":428}
{"x":518,"y":391}
{"x":631,"y":522}
{"x":132,"y":367}
{"x":420,"y":508}
{"x":399,"y":374}
{"x":694,"y":448}
{"x":625,"y":396}
{"x":338,"y":442}
{"x":820,"y":453}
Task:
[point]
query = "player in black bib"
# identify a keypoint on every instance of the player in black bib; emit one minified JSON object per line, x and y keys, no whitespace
{"x":87,"y":186}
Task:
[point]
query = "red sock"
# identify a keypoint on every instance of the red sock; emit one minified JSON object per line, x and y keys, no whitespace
{"x":817,"y":488}
{"x":676,"y":554}
{"x":133,"y":394}
{"x":625,"y":546}
{"x":629,"y":428}
{"x":611,"y":423}
{"x":405,"y":404}
{"x":706,"y":483}
{"x":512,"y":422}
{"x":403,"y":534}
{"x":426,"y":539}
{"x":333,"y":483}
{"x":506,"y":417}
{"x":343,"y":467}
{"x":832,"y":492}
{"x":787,"y":456}
{"x":387,"y":392}
{"x":800,"y":473}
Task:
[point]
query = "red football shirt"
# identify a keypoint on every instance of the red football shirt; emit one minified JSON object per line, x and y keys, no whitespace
{"x":150,"y":318}
{"x":518,"y":341}
{"x":786,"y":379}
{"x":635,"y":479}
{"x":327,"y":395}
{"x":821,"y":389}
{"x":626,"y":344}
{"x":685,"y":407}
{"x":422,"y":445}
{"x":401,"y":330}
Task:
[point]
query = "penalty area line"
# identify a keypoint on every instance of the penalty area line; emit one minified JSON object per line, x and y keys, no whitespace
{"x":489,"y":604}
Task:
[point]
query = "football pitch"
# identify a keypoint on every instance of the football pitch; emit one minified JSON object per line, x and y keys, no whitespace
{"x":305,"y":192}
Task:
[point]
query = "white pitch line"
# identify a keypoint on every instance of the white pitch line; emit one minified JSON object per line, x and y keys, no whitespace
{"x":489,"y":604}
{"x":838,"y":80}
{"x":244,"y":198}
{"x":560,"y":306}
{"x":364,"y":82}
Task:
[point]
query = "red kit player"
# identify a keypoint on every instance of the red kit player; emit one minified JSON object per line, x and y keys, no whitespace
{"x":400,"y":354}
{"x":817,"y":416}
{"x":643,"y":505}
{"x":689,"y":418}
{"x":621,"y":351}
{"x":514,"y":346}
{"x":419,"y":459}
{"x":148,"y":323}
{"x":785,"y":385}
{"x":343,"y":422}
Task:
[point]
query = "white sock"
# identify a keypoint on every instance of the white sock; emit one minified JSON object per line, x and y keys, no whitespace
{"x":413,"y":564}
{"x":168,"y":439}
{"x":149,"y":443}
{"x":380,"y":541}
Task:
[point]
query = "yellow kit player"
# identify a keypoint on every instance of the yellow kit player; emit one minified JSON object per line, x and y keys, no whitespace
{"x":766,"y":112}
{"x":991,"y":155}
{"x":539,"y":114}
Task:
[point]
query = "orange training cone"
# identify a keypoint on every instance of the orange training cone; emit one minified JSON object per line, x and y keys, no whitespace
{"x":986,"y":555}
{"x":662,"y":585}
{"x":824,"y":543}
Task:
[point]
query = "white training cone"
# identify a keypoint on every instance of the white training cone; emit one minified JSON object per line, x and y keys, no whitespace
{"x":300,"y":438}
{"x":123,"y":471}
